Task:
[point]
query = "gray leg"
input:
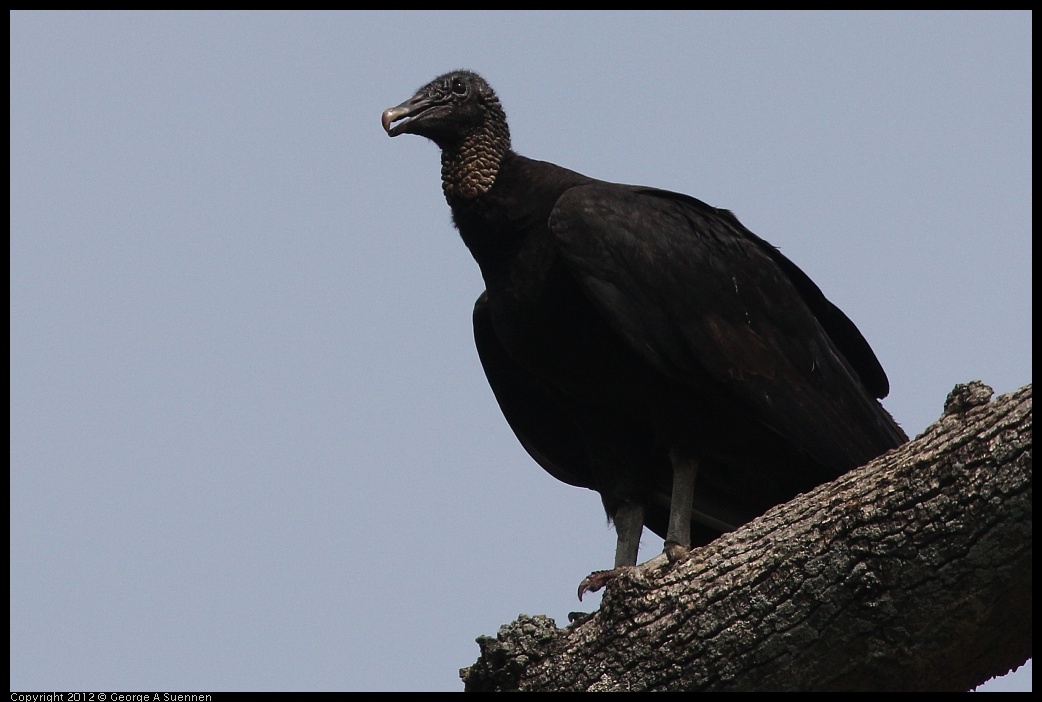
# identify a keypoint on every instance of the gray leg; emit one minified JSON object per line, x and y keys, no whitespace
{"x":678,"y":536}
{"x":629,"y":523}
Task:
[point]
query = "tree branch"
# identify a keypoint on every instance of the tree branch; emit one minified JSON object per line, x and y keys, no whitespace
{"x":910,"y":573}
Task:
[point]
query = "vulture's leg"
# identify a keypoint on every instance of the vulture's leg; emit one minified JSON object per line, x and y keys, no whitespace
{"x":629,"y":523}
{"x":678,"y":535}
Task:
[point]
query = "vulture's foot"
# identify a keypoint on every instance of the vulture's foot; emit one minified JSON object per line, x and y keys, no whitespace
{"x":599,"y":578}
{"x":675,"y":552}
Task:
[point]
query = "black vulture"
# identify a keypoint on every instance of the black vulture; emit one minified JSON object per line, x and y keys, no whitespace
{"x":636,"y":337}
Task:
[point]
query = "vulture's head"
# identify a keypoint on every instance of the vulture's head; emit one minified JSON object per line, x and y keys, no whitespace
{"x":460,"y":113}
{"x":451,"y":109}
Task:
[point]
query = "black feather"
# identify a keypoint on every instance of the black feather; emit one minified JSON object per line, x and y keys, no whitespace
{"x":625,"y":330}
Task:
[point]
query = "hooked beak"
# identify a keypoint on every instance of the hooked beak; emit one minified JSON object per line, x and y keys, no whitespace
{"x":410,"y":108}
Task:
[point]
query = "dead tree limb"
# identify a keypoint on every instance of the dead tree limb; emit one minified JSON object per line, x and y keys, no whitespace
{"x":910,"y":573}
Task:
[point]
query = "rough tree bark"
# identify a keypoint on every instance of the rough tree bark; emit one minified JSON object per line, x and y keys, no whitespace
{"x":910,"y":573}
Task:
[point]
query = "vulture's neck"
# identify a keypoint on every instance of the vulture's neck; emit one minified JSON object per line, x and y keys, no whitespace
{"x":469,"y":166}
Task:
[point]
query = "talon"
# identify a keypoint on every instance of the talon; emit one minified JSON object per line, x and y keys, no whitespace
{"x":596,"y":580}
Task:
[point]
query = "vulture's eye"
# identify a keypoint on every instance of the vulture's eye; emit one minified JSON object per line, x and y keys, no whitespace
{"x":458,"y":86}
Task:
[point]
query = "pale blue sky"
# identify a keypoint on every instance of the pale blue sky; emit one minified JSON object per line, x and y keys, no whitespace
{"x":251,"y":443}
